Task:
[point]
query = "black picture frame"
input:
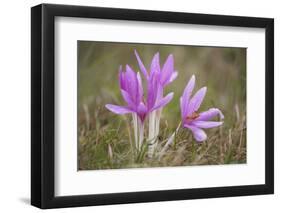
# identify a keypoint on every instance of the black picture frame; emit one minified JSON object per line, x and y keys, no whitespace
{"x":43,"y":105}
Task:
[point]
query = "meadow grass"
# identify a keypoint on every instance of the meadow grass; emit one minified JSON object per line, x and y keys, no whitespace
{"x":107,"y":143}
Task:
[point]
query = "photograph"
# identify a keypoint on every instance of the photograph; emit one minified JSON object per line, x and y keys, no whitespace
{"x":160,"y":105}
{"x":141,"y":105}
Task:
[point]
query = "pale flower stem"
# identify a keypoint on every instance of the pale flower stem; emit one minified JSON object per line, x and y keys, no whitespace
{"x":135,"y":126}
{"x":151,"y":125}
{"x":157,"y":124}
{"x":151,"y":133}
{"x":154,"y":123}
{"x":141,"y":134}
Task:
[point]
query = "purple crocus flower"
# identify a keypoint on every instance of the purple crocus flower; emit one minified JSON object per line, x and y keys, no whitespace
{"x":166,"y":75}
{"x":132,"y":92}
{"x":193,"y":120}
{"x":155,"y":99}
{"x":156,"y":80}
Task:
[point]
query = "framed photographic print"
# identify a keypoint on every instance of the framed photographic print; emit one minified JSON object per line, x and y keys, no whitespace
{"x":139,"y":106}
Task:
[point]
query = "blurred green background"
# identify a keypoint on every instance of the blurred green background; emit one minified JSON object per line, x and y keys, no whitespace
{"x":222,"y":70}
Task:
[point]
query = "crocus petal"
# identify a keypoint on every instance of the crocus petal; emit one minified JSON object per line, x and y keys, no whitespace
{"x":150,"y":94}
{"x":155,"y":64}
{"x":140,"y":88}
{"x":152,"y":90}
{"x":206,"y":124}
{"x":122,"y":82}
{"x":209,"y":114}
{"x":167,"y":70}
{"x":161,"y":103}
{"x":142,"y":67}
{"x":198,"y":133}
{"x":141,"y":111}
{"x":142,"y":108}
{"x":131,"y":83}
{"x":173,"y":76}
{"x":118,"y":109}
{"x":196,"y":100}
{"x":186,"y":95}
{"x":159,"y":95}
{"x":128,"y":99}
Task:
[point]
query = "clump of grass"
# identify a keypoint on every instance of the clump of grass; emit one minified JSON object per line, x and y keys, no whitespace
{"x":109,"y":145}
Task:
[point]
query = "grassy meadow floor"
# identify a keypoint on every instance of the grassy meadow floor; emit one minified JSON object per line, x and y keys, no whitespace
{"x":106,"y":143}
